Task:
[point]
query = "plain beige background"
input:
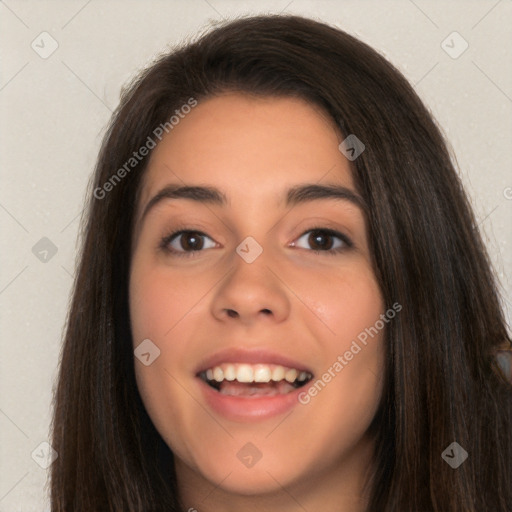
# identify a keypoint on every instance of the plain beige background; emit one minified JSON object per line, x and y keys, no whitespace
{"x":54,"y":108}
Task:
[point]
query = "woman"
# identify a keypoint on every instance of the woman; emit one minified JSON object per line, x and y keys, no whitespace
{"x":282,"y":302}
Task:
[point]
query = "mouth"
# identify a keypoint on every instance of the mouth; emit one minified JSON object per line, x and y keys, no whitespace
{"x":247,"y":385}
{"x":254,"y":380}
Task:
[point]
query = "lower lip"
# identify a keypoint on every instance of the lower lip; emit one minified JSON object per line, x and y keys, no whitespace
{"x":253,"y":408}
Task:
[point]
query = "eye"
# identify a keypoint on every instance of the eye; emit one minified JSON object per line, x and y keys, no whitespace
{"x":321,"y":240}
{"x":185,"y":242}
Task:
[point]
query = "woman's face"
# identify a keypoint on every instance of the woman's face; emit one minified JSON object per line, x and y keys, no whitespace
{"x":256,"y":293}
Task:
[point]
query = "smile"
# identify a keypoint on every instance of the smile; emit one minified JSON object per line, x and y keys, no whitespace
{"x":247,"y":385}
{"x":242,"y":379}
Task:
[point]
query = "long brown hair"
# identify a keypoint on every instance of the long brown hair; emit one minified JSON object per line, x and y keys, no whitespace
{"x":443,"y":383}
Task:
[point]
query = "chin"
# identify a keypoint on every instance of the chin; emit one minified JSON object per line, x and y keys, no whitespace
{"x":225,"y":468}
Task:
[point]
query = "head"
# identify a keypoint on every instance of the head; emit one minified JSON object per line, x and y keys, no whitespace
{"x":296,"y":298}
{"x":262,"y":106}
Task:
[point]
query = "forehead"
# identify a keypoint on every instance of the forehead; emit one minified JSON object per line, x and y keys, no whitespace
{"x":248,"y":146}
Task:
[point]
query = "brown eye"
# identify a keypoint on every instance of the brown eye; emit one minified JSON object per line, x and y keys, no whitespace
{"x":184,"y":242}
{"x":322,"y":240}
{"x":191,"y":241}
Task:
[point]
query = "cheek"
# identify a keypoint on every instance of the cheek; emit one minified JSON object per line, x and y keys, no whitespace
{"x":351,"y":308}
{"x":345,"y":303}
{"x":163,"y":309}
{"x":167,"y":405}
{"x":157,"y":309}
{"x":158,"y":302}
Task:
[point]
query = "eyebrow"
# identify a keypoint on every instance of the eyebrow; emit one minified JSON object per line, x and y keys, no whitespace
{"x":299,"y":194}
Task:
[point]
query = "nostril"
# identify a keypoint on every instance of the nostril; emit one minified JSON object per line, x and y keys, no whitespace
{"x":232,"y":313}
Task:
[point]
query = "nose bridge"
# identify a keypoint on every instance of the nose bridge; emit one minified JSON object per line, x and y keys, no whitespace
{"x":251,"y":268}
{"x":252,"y":285}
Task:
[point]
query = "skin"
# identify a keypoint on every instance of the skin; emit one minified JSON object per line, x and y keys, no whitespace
{"x":253,"y":149}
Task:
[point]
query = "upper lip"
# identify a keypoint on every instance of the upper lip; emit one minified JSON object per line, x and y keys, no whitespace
{"x":249,"y":356}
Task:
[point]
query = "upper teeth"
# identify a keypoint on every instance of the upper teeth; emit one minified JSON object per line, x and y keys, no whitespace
{"x":255,"y":373}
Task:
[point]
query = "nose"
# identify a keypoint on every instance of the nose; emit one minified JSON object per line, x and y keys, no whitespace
{"x":252,"y":292}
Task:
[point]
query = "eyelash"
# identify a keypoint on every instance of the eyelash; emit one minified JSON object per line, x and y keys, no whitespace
{"x":165,"y":241}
